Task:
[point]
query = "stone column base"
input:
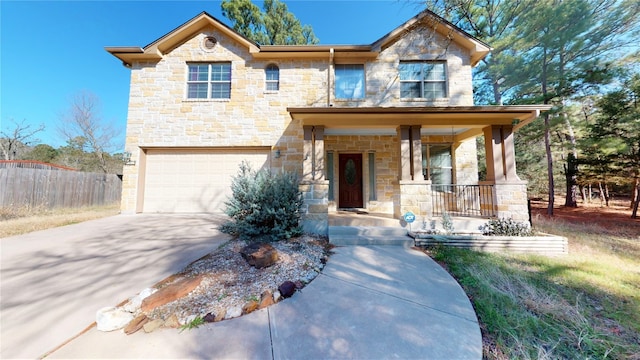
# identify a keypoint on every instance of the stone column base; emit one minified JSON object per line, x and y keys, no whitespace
{"x":511,"y":201}
{"x":415,"y":196}
{"x":315,"y":207}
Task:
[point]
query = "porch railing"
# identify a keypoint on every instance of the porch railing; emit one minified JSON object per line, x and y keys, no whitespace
{"x":463,"y":200}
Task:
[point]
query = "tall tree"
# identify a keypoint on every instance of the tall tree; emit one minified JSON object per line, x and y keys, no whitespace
{"x":273,"y":26}
{"x":616,"y":132}
{"x":494,"y":22}
{"x":83,"y":121}
{"x":563,"y":42}
{"x":17,"y":139}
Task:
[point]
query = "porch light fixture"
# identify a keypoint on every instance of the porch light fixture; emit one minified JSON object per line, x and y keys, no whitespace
{"x":277,"y":154}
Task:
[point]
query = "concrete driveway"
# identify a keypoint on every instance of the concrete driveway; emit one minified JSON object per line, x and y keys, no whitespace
{"x":54,"y":281}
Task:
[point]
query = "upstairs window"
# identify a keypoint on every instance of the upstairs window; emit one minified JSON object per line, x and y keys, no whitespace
{"x":423,"y":80}
{"x":349,"y":81}
{"x":272,"y":73}
{"x":209,"y":81}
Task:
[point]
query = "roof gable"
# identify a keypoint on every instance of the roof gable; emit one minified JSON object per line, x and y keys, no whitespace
{"x":155,"y":50}
{"x":477,"y":48}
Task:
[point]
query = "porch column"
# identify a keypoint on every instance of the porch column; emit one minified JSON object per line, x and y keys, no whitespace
{"x":501,"y":160}
{"x":307,"y":154}
{"x":416,"y":154}
{"x":318,"y":156}
{"x":314,"y":187}
{"x":404,"y":135}
{"x":510,"y":193}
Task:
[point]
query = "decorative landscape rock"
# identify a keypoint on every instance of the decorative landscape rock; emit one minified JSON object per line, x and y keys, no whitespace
{"x":250,"y":307}
{"x":234,"y":312}
{"x":220,"y":315}
{"x":266,"y":299}
{"x":172,"y":322}
{"x":287,"y":289}
{"x":136,"y":324}
{"x":170,"y":293}
{"x":209,"y":317}
{"x":153,"y":325}
{"x":112,"y":318}
{"x":260,"y":255}
{"x":134,"y":303}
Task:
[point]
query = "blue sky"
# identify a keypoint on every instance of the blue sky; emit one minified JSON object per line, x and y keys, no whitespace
{"x":52,"y":50}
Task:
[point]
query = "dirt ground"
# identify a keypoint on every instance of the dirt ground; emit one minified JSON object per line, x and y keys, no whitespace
{"x":616,"y":215}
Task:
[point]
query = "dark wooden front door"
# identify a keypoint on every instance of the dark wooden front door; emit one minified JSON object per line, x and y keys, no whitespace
{"x":350,"y":186}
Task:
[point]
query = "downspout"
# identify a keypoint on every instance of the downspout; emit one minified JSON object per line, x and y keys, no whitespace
{"x":329,"y":71}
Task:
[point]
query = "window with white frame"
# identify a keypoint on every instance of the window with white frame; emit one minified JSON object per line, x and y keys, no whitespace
{"x":209,"y":81}
{"x":437,"y":164}
{"x":423,"y":80}
{"x":349,"y":81}
{"x":272,"y":73}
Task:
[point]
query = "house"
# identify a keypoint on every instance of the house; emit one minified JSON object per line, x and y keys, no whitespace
{"x":388,"y":127}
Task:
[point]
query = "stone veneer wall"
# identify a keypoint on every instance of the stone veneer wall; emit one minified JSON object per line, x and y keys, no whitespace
{"x":161,"y":116}
{"x":511,"y":200}
{"x":314,"y":210}
{"x":385,"y":148}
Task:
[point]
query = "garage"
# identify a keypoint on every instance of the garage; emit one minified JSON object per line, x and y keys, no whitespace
{"x":194,"y":180}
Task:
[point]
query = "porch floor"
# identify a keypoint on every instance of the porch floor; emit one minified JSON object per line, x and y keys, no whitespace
{"x":358,"y":227}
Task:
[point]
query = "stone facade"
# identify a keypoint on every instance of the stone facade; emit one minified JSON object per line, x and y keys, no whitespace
{"x":161,"y":116}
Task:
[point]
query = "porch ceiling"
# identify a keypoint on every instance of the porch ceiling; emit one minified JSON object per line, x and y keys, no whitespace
{"x":462,"y":121}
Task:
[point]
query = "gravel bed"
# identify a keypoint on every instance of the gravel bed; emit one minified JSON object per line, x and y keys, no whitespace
{"x":230,"y":282}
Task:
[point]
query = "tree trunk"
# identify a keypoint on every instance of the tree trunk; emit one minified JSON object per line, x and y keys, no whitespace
{"x":634,"y":193}
{"x":572,"y":167}
{"x":602,"y":197}
{"x":606,"y":194}
{"x":634,"y":213}
{"x":547,"y":145}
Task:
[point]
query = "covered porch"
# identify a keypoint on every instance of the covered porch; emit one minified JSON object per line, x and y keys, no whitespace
{"x":391,"y":161}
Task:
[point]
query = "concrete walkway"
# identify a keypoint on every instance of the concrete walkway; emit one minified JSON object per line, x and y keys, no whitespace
{"x":370,"y":302}
{"x":54,"y":281}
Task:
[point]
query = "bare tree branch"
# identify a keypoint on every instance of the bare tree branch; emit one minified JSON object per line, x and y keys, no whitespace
{"x":22,"y":135}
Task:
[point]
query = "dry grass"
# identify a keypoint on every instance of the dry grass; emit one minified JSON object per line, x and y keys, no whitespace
{"x":21,"y":221}
{"x":582,"y":305}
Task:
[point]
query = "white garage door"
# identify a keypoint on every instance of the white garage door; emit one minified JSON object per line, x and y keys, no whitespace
{"x":194,"y":181}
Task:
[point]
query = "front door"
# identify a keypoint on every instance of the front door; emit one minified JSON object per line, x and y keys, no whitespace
{"x":350,"y":186}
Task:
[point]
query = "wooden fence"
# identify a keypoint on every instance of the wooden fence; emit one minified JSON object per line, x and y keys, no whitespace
{"x":35,"y":184}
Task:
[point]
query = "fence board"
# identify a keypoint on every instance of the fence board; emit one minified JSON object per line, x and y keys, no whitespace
{"x":54,"y":187}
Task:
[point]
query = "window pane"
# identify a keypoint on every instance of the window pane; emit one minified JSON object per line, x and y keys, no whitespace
{"x":221,"y":72}
{"x":410,"y":71}
{"x":221,"y":90}
{"x":272,"y":72}
{"x":410,"y":90}
{"x":434,"y":71}
{"x":440,"y":156}
{"x":433,"y":90}
{"x":329,"y":172}
{"x":197,"y":91}
{"x":198,"y":72}
{"x":349,"y":81}
{"x":440,"y":176}
{"x":272,"y":86}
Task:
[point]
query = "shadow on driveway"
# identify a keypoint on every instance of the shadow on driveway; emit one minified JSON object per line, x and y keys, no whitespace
{"x":54,"y":281}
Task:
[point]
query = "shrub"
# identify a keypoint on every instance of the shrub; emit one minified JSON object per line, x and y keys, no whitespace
{"x":264,"y":206}
{"x":506,"y":227}
{"x":447,"y":223}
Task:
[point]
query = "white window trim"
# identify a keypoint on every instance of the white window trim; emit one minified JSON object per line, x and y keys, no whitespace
{"x":209,"y":82}
{"x":422,"y":82}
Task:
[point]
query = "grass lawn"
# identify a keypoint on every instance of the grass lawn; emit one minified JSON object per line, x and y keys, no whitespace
{"x":22,"y":221}
{"x":582,"y":305}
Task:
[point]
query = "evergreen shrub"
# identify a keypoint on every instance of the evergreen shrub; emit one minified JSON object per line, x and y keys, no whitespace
{"x":506,"y":227}
{"x":264,"y":206}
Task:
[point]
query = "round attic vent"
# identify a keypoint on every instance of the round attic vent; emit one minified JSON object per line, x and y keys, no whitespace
{"x":210,"y":42}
